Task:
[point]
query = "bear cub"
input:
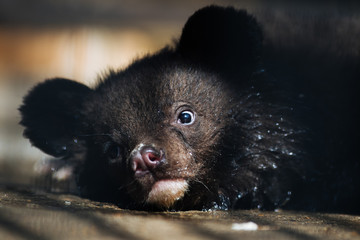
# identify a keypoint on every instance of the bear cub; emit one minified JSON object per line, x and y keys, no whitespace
{"x":194,"y":126}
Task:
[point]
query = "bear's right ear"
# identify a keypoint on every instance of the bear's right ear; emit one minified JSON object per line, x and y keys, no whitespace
{"x":51,"y":115}
{"x":226,"y":40}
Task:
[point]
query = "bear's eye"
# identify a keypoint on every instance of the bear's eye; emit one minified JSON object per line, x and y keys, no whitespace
{"x":186,"y":117}
{"x":112,"y":151}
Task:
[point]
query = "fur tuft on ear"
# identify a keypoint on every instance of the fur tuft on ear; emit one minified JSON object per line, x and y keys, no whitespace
{"x":50,"y":114}
{"x":226,"y":40}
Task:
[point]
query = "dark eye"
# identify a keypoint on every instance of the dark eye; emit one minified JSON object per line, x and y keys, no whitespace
{"x":186,"y":117}
{"x":112,"y":151}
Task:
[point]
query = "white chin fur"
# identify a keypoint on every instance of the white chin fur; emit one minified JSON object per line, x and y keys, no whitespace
{"x":165,"y":193}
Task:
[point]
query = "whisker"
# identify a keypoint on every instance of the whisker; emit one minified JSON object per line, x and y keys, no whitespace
{"x":198,"y":181}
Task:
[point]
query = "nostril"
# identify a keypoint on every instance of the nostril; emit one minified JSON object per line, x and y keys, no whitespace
{"x":152,"y":157}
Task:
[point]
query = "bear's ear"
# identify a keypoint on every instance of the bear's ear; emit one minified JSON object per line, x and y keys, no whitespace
{"x":226,"y":40}
{"x":51,"y":115}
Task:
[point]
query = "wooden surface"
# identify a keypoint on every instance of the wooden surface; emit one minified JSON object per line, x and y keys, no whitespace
{"x":28,"y":215}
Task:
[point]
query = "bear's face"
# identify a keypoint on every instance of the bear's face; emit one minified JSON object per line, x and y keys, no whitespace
{"x":162,"y":134}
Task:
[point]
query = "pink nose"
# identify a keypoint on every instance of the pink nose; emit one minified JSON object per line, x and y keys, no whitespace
{"x":146,"y":159}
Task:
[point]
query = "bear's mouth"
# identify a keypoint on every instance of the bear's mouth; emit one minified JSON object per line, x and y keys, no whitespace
{"x":164,"y":193}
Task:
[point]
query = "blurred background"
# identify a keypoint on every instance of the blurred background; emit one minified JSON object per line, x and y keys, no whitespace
{"x":80,"y":39}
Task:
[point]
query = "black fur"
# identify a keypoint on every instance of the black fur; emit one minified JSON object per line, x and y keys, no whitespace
{"x":245,"y":149}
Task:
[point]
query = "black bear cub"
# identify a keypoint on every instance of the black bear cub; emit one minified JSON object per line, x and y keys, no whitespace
{"x":194,"y":126}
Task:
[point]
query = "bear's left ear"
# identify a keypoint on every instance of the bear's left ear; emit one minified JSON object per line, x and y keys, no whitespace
{"x":51,"y":115}
{"x":226,"y":40}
